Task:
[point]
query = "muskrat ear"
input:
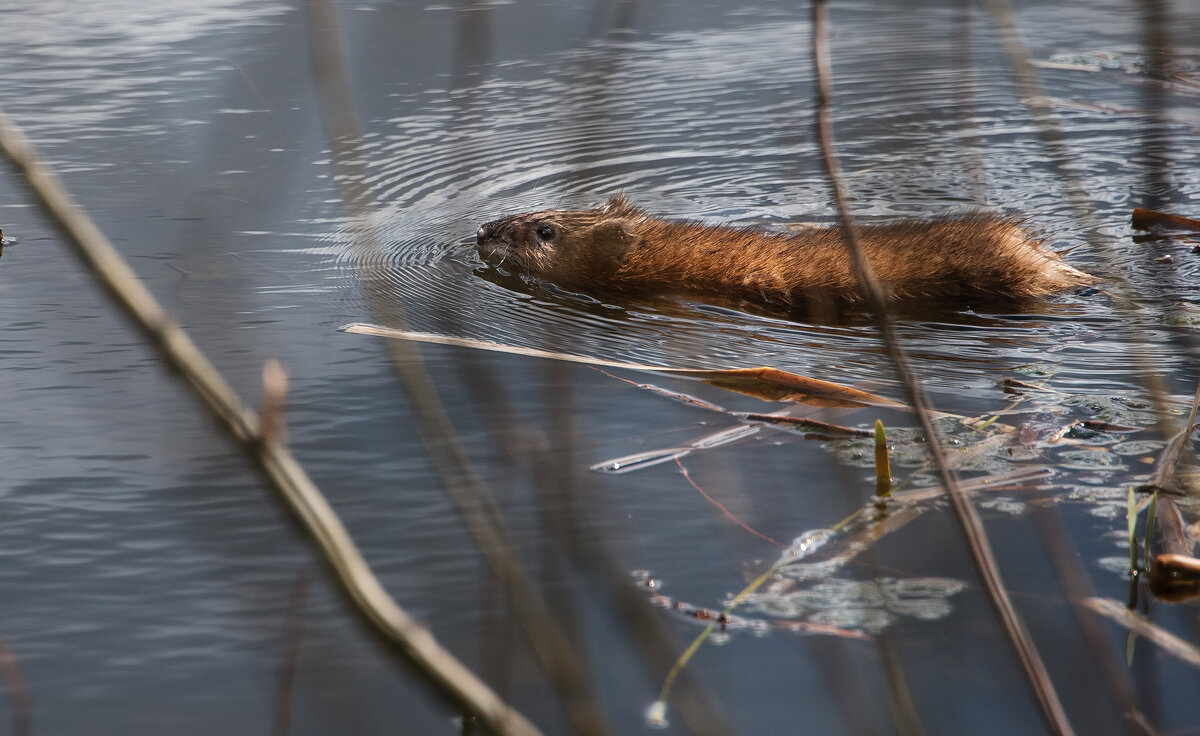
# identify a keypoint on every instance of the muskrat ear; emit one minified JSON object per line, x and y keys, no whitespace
{"x":618,"y":206}
{"x":613,"y":239}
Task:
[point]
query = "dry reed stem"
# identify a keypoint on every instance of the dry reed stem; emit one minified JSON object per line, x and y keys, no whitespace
{"x":273,"y":401}
{"x":1078,"y":587}
{"x":293,"y":629}
{"x":981,"y":551}
{"x":1181,"y":649}
{"x":548,"y":639}
{"x":764,"y":382}
{"x":286,"y":475}
{"x":1117,"y":287}
{"x":1167,"y":515}
{"x":1168,"y":461}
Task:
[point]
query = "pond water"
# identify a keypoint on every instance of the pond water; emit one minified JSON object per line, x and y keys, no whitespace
{"x":148,"y":571}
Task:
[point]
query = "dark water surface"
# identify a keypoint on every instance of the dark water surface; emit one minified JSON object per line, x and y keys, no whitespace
{"x":146,"y":572}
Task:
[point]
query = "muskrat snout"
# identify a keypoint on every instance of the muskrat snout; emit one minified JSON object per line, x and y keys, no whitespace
{"x":496,"y":241}
{"x":486,"y":232}
{"x":493,"y":236}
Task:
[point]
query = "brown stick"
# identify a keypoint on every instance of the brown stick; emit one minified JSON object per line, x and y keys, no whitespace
{"x":724,"y":509}
{"x":292,"y":631}
{"x":1144,"y":219}
{"x":1180,"y":649}
{"x":981,"y":551}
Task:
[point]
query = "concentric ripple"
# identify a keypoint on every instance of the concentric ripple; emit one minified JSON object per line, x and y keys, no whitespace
{"x":717,"y":126}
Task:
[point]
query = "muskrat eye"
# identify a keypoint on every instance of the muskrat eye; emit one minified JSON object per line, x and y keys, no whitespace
{"x":545,"y":232}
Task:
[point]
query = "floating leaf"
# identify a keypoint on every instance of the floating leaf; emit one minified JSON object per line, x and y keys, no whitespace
{"x":771,"y":384}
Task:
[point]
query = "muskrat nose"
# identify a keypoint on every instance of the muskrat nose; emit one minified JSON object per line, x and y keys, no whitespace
{"x":484,"y":233}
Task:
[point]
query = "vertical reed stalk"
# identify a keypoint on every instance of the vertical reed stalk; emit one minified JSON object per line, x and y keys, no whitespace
{"x":549,"y":641}
{"x":972,"y":526}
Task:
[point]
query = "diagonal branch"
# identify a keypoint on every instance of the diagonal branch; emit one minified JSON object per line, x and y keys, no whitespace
{"x":972,"y":526}
{"x":413,"y":640}
{"x":548,"y":639}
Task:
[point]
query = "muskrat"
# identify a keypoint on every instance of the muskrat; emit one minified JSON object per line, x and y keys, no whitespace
{"x":618,"y":247}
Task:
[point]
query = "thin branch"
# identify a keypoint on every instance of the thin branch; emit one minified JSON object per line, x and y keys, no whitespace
{"x":653,"y":639}
{"x":723,"y":509}
{"x":411,"y":638}
{"x":549,"y":641}
{"x":1181,"y":649}
{"x":981,"y":551}
{"x":764,"y":382}
{"x":292,"y":632}
{"x":1124,"y":297}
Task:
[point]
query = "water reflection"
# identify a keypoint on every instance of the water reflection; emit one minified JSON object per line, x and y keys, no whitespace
{"x":695,"y":126}
{"x":148,"y":568}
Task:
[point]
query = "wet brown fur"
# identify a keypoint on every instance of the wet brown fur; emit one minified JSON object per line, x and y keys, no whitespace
{"x":618,"y":247}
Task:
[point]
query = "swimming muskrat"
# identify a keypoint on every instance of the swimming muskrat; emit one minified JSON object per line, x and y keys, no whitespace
{"x":618,"y":247}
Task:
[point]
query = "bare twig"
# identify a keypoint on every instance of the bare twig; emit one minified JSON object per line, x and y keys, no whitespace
{"x":723,"y":509}
{"x":548,"y":639}
{"x":981,"y":551}
{"x":411,"y":638}
{"x":1058,"y":155}
{"x":1078,"y":588}
{"x":273,"y":401}
{"x":1143,"y":219}
{"x":292,"y":632}
{"x":1183,"y":650}
{"x":764,"y":382}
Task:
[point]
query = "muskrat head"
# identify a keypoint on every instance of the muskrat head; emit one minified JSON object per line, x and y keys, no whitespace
{"x":583,"y":248}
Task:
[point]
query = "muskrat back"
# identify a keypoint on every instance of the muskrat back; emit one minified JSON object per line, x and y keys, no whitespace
{"x":618,"y":247}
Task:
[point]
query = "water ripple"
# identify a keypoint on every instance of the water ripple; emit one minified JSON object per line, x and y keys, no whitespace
{"x":717,"y":127}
